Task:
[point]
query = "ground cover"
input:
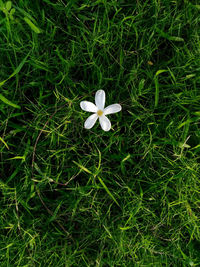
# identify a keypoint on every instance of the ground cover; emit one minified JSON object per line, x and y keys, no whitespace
{"x":76,"y":197}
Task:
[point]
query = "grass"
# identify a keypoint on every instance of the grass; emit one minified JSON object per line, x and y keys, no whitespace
{"x":76,"y":197}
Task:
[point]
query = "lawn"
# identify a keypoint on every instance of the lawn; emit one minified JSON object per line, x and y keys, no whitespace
{"x":71,"y":196}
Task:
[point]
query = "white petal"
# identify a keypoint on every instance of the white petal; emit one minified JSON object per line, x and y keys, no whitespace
{"x":88,"y":106}
{"x":100,"y":98}
{"x":89,"y":123}
{"x":105,"y":123}
{"x":112,"y":109}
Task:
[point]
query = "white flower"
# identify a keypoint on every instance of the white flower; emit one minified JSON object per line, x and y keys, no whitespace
{"x":99,"y":111}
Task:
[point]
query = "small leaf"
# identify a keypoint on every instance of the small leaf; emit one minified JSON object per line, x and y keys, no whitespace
{"x":126,"y":158}
{"x":12,"y":11}
{"x":160,"y":71}
{"x":183,"y":145}
{"x":176,"y":39}
{"x":197,"y":6}
{"x":18,"y":157}
{"x":8,"y":102}
{"x":32,"y":26}
{"x":169,"y":37}
{"x":141,"y":86}
{"x":8,"y":5}
{"x":190,"y":76}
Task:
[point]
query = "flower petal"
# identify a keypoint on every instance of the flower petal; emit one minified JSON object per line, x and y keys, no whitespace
{"x":89,"y":123}
{"x":112,"y":109}
{"x":105,"y":123}
{"x":88,"y":106}
{"x":100,"y":98}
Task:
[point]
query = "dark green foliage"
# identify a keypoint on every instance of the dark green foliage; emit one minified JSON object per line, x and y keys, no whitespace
{"x":60,"y":184}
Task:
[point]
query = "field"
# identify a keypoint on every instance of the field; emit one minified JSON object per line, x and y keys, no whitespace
{"x":71,"y":196}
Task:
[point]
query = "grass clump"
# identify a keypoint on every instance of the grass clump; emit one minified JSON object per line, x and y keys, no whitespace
{"x":72,"y":197}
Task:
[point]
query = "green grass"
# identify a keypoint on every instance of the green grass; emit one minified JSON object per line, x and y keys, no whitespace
{"x":76,"y":197}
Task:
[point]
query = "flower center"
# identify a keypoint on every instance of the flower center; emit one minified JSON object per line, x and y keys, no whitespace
{"x":99,"y":112}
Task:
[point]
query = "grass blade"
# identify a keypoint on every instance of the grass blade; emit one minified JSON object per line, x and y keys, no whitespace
{"x":82,"y":167}
{"x":17,"y":70}
{"x":108,"y":191}
{"x":157,"y":86}
{"x":8,"y":102}
{"x":32,"y":26}
{"x":169,"y":37}
{"x":156,"y":92}
{"x":4,"y":143}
